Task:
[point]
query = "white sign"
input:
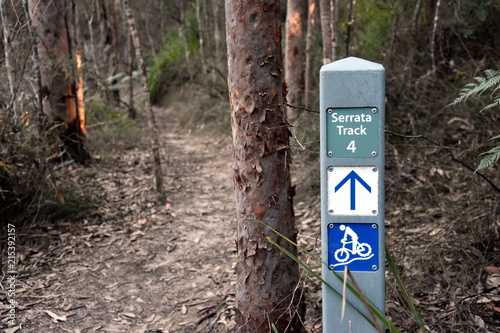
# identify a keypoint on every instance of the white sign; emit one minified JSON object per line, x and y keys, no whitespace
{"x":353,"y":190}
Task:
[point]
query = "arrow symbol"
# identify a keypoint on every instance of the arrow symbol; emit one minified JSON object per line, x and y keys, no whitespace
{"x":353,"y":176}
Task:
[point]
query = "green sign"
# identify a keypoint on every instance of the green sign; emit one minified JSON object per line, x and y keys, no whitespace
{"x":352,"y":132}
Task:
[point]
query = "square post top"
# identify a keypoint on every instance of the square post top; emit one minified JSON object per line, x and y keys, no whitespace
{"x":352,"y":64}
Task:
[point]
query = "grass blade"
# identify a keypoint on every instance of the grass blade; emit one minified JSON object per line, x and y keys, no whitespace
{"x":406,"y":296}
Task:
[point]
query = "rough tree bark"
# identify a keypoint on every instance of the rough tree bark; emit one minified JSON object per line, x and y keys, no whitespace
{"x":350,"y":22}
{"x":112,"y":53}
{"x":326,"y":30}
{"x":58,"y":74}
{"x":9,"y":65}
{"x":201,"y":38}
{"x":266,"y":287}
{"x":311,"y":10}
{"x":294,"y":56}
{"x":40,"y":115}
{"x":187,"y":53}
{"x":155,"y":143}
{"x":334,"y":14}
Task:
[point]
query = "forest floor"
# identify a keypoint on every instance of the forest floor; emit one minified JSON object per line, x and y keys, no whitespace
{"x":134,"y":266}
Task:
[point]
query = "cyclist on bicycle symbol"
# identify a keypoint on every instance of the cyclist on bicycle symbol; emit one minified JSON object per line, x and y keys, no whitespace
{"x":357,"y":248}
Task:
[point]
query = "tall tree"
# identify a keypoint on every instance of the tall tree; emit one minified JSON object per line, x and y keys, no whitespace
{"x":350,"y":22}
{"x":58,"y":74}
{"x":311,"y":10}
{"x":334,"y":15}
{"x":328,"y":16}
{"x":326,"y":30}
{"x":155,"y":141}
{"x":266,"y":284}
{"x":294,"y":55}
{"x":9,"y":60}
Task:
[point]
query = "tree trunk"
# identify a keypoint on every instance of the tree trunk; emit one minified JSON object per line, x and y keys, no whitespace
{"x":130,"y":51}
{"x":9,"y":65}
{"x":201,"y":40}
{"x":217,"y":34}
{"x":309,"y":53}
{"x":350,"y":22}
{"x":155,"y":143}
{"x":294,"y":56}
{"x":57,"y":74}
{"x":266,"y":286}
{"x":112,"y":53}
{"x":326,"y":32}
{"x":433,"y":36}
{"x":40,"y":115}
{"x":334,"y":14}
{"x":187,"y":53}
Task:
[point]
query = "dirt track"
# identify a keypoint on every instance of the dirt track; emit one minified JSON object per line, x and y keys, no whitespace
{"x":135,"y":266}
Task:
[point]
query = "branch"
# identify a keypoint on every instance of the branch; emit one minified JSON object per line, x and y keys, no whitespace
{"x":450,"y":152}
{"x":300,"y":108}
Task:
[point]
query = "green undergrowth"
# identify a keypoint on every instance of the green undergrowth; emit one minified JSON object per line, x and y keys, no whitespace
{"x":110,"y":128}
{"x":169,"y":67}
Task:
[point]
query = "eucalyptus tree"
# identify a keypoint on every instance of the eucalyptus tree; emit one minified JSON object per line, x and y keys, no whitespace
{"x":58,"y":75}
{"x":267,"y":290}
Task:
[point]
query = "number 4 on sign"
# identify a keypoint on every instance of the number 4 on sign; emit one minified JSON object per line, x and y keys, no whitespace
{"x":352,"y":146}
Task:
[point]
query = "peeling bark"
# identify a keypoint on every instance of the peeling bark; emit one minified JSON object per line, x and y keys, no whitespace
{"x":57,"y":73}
{"x":266,"y":286}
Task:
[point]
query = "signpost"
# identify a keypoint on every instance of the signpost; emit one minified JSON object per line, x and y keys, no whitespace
{"x":352,"y":112}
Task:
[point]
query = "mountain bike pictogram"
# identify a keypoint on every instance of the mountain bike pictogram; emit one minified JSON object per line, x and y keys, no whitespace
{"x":361,"y":249}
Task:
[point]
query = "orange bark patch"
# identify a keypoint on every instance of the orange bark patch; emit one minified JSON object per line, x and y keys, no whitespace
{"x":79,"y":95}
{"x":259,"y":211}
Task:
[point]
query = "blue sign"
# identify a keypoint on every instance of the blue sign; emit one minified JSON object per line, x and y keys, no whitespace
{"x":354,"y":245}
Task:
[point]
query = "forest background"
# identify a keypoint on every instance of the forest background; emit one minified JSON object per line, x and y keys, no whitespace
{"x":430,"y":49}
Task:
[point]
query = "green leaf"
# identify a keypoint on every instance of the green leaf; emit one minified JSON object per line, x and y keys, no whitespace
{"x":490,"y":157}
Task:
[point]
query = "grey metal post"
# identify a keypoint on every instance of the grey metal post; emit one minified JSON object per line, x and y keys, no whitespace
{"x":352,"y":113}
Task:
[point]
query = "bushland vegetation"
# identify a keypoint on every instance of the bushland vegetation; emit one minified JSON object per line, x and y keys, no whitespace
{"x":442,"y":212}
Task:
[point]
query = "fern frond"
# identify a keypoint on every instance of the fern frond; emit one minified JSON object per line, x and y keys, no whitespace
{"x":495,"y":103}
{"x":490,"y":157}
{"x":490,"y":80}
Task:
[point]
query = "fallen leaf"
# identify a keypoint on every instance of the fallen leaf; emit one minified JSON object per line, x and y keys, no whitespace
{"x":494,"y":308}
{"x":150,"y":318}
{"x":479,"y":321}
{"x":141,"y":329}
{"x":109,"y":298}
{"x":143,"y":252}
{"x":12,"y":329}
{"x":129,"y":314}
{"x":55,"y":317}
{"x":142,"y":223}
{"x":492,"y":269}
